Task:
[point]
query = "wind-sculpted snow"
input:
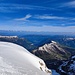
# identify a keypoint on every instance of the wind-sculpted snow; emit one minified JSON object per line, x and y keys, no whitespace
{"x":16,"y":60}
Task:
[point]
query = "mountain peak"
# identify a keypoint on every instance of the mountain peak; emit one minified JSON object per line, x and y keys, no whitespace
{"x":53,"y":42}
{"x":52,"y":50}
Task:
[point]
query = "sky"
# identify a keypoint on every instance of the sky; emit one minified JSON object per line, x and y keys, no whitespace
{"x":37,"y":15}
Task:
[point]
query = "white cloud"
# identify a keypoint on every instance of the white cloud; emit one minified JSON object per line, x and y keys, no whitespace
{"x":53,"y":17}
{"x":43,"y":28}
{"x":50,"y":28}
{"x":7,"y":7}
{"x":70,"y":4}
{"x":24,"y":18}
{"x":49,"y":17}
{"x":73,"y":19}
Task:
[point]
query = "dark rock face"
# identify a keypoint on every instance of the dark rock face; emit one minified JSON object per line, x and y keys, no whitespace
{"x":68,"y":67}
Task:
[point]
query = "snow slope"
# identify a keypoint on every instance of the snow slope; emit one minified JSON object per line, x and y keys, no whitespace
{"x":16,"y":60}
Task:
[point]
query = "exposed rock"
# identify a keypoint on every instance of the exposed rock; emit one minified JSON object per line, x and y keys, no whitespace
{"x":68,"y":67}
{"x":52,"y":50}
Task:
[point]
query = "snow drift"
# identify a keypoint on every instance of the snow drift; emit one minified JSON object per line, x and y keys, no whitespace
{"x":16,"y":60}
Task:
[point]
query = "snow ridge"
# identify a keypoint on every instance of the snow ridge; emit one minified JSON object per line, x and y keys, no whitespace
{"x":16,"y":60}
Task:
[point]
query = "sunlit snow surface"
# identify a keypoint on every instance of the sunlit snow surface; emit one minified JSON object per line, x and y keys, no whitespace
{"x":16,"y":60}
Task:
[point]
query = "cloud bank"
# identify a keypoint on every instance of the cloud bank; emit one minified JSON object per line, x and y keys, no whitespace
{"x":43,"y":28}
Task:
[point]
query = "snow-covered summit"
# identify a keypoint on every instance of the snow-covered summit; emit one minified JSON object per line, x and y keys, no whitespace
{"x":16,"y":60}
{"x":8,"y":37}
{"x":53,"y":42}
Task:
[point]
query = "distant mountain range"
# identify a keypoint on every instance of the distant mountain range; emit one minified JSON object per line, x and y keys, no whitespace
{"x":13,"y":32}
{"x":40,"y":40}
{"x":63,"y":40}
{"x":20,"y":41}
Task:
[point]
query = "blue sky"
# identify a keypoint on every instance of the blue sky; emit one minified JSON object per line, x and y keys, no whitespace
{"x":38,"y":15}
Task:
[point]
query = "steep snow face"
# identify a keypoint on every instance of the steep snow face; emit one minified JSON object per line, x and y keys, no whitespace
{"x":16,"y":60}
